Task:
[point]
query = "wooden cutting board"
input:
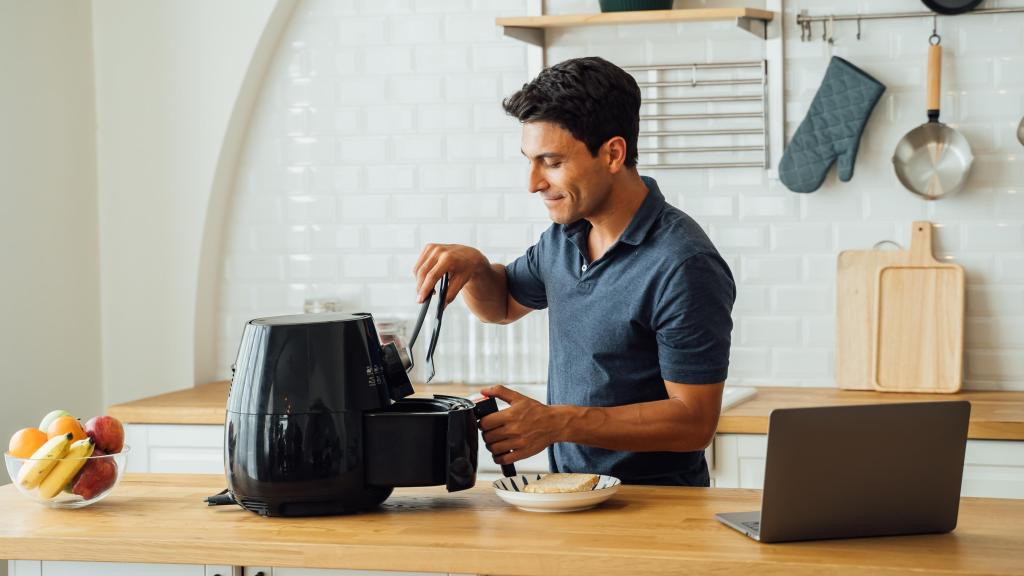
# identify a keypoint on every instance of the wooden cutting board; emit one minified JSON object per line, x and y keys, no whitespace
{"x":856,"y":280}
{"x":918,"y":321}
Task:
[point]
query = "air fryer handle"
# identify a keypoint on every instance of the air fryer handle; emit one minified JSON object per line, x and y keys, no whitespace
{"x":483,"y":408}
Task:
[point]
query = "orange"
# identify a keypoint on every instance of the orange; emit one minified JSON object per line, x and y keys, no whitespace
{"x":26,"y":441}
{"x":66,"y":424}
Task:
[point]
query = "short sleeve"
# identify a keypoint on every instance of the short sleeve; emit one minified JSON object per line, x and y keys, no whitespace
{"x":693,"y":321}
{"x":526,"y":278}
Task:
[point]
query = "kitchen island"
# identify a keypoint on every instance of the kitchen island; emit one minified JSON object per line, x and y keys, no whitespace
{"x":641,"y":530}
{"x":183,"y":431}
{"x":995,"y":415}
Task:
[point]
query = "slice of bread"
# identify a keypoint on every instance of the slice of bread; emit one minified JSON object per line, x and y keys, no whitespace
{"x":561,"y":482}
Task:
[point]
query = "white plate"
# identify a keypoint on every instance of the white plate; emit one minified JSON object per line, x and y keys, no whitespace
{"x":511,"y":490}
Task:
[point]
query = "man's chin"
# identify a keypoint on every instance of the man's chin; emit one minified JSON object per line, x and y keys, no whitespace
{"x":562,"y":219}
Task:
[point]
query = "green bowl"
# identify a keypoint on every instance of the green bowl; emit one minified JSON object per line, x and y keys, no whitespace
{"x":631,"y":5}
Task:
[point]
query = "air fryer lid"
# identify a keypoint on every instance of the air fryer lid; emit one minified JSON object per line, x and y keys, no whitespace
{"x":310,"y":363}
{"x":307,"y":319}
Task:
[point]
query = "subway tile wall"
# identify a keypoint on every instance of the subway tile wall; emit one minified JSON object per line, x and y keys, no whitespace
{"x":379,"y":130}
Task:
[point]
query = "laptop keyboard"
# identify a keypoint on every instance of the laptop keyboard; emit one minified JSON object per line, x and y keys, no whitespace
{"x":755,"y":526}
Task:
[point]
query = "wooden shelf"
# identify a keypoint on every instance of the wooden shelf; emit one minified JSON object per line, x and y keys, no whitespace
{"x":531,"y":28}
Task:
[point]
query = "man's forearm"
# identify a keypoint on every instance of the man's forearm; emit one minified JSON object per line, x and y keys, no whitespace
{"x":664,"y":425}
{"x":486,"y":294}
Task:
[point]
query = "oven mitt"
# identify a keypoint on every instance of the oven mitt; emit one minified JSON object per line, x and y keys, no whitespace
{"x":832,"y":127}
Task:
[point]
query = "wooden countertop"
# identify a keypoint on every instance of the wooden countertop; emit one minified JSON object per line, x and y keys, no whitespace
{"x":642,"y":529}
{"x":205,"y":404}
{"x":994,"y":415}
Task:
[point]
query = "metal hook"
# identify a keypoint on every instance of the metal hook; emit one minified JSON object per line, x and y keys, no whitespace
{"x":824,"y":30}
{"x":881,"y":243}
{"x":831,"y":29}
{"x":935,"y":39}
{"x":801,"y":19}
{"x":858,"y":28}
{"x":693,"y":75}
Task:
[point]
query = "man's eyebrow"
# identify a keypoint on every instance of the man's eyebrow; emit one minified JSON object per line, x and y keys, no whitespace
{"x":543,"y":155}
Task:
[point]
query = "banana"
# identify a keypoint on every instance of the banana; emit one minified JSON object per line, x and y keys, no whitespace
{"x":66,"y":468}
{"x":43,"y":460}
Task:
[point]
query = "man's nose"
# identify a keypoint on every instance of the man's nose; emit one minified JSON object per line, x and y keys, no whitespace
{"x":537,"y":181}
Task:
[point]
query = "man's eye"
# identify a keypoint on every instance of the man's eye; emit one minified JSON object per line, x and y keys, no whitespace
{"x":553,"y":164}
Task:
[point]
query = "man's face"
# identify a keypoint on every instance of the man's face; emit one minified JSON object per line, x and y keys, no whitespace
{"x":573,"y":183}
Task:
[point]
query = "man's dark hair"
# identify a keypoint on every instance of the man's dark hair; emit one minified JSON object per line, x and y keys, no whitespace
{"x":592,"y":98}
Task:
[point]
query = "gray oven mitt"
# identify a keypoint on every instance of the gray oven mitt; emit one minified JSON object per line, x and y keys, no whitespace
{"x":832,"y":127}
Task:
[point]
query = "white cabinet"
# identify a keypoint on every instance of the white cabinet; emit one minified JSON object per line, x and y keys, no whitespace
{"x":52,"y":568}
{"x":324,"y":572}
{"x":175,"y":448}
{"x":737,"y":460}
{"x":992,"y":468}
{"x":24,"y":568}
{"x":199,"y":449}
{"x":488,"y":470}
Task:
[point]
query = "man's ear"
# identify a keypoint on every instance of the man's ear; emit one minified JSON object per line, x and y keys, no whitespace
{"x":614,"y":153}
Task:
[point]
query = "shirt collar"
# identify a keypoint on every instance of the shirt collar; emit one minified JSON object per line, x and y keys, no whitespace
{"x":645,"y":216}
{"x":642,"y":221}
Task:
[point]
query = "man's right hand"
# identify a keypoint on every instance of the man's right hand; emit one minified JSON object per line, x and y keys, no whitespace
{"x":460,"y":262}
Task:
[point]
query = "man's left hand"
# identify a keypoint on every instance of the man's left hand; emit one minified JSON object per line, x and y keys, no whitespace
{"x":523,"y":429}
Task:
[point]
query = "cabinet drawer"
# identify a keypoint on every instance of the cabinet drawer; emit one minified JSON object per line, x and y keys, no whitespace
{"x":323,"y":572}
{"x":175,"y":448}
{"x":738,"y":460}
{"x":538,"y":463}
{"x":994,"y":469}
{"x":119,"y":569}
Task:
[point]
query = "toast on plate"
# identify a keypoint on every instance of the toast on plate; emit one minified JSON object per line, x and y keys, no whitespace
{"x":562,"y":482}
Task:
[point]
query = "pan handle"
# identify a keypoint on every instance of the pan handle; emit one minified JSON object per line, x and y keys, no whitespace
{"x":934,"y":78}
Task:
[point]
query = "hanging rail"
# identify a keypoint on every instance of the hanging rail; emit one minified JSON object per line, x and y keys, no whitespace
{"x":804,"y":21}
{"x":667,"y":86}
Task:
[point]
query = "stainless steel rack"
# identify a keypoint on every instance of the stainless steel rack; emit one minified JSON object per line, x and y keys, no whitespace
{"x":805,"y":21}
{"x":724,"y":122}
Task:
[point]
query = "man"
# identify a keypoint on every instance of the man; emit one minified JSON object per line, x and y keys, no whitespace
{"x":639,"y":299}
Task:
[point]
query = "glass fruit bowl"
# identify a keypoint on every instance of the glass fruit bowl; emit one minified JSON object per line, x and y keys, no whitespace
{"x":77,"y":483}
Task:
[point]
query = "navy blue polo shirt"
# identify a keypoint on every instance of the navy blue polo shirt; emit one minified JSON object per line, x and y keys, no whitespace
{"x":656,"y":306}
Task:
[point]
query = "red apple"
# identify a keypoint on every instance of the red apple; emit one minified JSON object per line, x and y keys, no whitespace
{"x":98,"y":475}
{"x":71,"y":483}
{"x":107,"y":432}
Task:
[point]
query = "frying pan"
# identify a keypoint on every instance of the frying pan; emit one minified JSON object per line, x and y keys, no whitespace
{"x":951,"y":6}
{"x":933,"y":160}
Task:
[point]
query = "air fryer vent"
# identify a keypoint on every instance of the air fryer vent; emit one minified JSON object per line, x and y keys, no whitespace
{"x":314,"y":508}
{"x":255,"y":506}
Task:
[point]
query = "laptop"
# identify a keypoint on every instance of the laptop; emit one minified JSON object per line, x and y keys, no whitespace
{"x":852,"y":471}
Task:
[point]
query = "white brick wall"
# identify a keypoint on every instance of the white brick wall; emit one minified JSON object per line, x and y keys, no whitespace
{"x":380,"y":130}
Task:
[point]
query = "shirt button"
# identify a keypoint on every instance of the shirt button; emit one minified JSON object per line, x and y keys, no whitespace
{"x":583,"y":268}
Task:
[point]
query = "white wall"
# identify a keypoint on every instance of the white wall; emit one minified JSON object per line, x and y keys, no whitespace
{"x":380,"y":129}
{"x":172,"y":104}
{"x":49,"y":293}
